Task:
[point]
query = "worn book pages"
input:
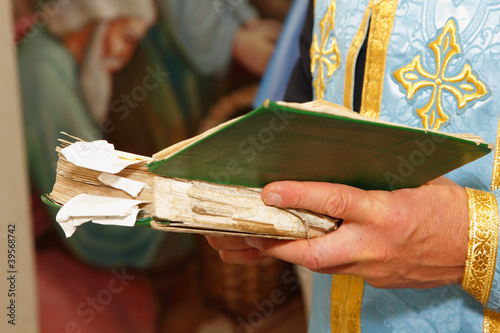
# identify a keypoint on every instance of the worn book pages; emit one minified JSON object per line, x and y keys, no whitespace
{"x":232,"y":208}
{"x":178,"y":205}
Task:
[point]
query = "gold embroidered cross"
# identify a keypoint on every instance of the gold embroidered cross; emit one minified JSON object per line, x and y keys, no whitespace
{"x":324,"y":54}
{"x":465,"y":86}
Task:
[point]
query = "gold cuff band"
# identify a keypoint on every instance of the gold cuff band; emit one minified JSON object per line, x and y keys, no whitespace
{"x":482,"y":244}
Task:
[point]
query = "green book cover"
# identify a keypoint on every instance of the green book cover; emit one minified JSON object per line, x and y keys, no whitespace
{"x":287,"y":142}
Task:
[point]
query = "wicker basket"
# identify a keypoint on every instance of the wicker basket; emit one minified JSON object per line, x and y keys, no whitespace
{"x":237,"y":288}
{"x":231,"y":287}
{"x":230,"y":106}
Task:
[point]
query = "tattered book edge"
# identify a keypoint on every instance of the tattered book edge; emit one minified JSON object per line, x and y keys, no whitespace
{"x":166,"y":226}
{"x":190,"y":230}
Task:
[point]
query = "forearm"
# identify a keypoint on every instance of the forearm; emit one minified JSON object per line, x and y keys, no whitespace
{"x":205,"y":30}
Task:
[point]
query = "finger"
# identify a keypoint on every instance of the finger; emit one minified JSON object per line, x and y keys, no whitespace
{"x":335,"y":200}
{"x":248,"y":256}
{"x":230,"y":243}
{"x":335,"y":251}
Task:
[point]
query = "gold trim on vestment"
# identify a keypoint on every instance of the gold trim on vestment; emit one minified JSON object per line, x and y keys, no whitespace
{"x":382,"y":22}
{"x":352,"y":57}
{"x":491,"y":321}
{"x":346,"y":301}
{"x":347,"y":290}
{"x":491,"y":318}
{"x":482,"y":244}
{"x":495,"y":177}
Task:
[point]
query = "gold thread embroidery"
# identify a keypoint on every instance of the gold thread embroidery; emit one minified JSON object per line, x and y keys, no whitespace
{"x":352,"y":55}
{"x":347,"y":291}
{"x":324,"y":55}
{"x":491,"y":321}
{"x":346,"y":301}
{"x":495,"y":177}
{"x":465,"y":86}
{"x":345,"y":315}
{"x":384,"y":12}
{"x":491,"y":318}
{"x":482,"y":244}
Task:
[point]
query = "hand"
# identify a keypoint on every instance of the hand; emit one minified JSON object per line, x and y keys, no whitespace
{"x":410,"y":238}
{"x":254,"y":44}
{"x":235,"y":250}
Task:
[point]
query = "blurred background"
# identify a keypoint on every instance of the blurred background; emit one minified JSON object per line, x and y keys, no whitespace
{"x":145,"y":74}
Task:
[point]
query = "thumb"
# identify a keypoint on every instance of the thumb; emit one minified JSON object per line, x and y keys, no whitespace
{"x":335,"y":200}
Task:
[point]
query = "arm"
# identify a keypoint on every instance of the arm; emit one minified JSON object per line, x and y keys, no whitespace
{"x":211,"y":33}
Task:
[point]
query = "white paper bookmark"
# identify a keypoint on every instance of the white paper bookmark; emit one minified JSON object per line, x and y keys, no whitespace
{"x":98,"y":209}
{"x":132,"y":187}
{"x":97,"y":155}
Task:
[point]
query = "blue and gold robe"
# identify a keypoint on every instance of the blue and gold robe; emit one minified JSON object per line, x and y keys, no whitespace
{"x":432,"y":64}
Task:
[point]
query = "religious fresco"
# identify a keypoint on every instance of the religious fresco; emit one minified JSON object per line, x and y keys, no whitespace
{"x":130,"y":72}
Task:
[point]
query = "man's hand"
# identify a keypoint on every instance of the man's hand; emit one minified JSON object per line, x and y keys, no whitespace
{"x":410,"y":238}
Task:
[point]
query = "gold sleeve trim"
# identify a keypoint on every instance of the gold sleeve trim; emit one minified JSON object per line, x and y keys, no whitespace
{"x":495,"y":178}
{"x":384,"y":12}
{"x":482,"y":244}
{"x":346,"y":301}
{"x":491,"y":321}
{"x":352,"y":57}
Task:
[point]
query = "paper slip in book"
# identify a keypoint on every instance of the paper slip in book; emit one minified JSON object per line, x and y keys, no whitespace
{"x":212,"y":183}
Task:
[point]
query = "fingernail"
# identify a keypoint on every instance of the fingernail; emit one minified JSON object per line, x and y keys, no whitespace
{"x":272,"y":199}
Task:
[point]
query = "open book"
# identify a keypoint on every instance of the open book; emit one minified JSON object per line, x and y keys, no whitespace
{"x":212,"y":183}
